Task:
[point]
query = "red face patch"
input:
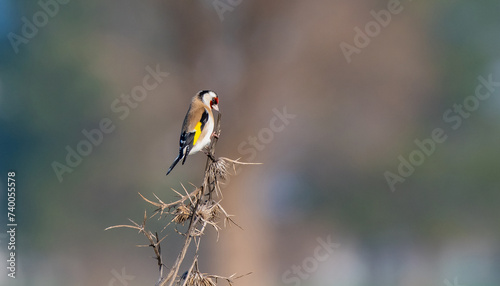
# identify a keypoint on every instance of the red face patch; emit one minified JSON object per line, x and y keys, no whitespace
{"x":215,"y":101}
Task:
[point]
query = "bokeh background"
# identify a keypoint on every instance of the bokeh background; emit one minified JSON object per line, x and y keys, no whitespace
{"x":322,"y":176}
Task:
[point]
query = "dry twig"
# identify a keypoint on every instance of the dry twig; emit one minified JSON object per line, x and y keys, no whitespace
{"x":200,"y":209}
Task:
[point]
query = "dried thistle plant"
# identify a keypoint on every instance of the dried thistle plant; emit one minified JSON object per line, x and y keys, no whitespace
{"x":199,"y":208}
{"x":182,"y":213}
{"x":218,"y":169}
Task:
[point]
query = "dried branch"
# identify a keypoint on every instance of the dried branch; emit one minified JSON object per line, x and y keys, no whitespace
{"x":200,"y":209}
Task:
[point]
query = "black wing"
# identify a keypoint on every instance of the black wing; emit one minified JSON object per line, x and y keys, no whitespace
{"x":187,"y":138}
{"x":186,"y":144}
{"x":204,"y":119}
{"x":186,"y":141}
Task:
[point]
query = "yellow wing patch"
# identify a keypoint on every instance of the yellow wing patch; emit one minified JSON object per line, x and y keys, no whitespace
{"x":197,"y":133}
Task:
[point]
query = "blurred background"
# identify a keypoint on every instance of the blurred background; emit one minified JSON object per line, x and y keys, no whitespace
{"x":329,"y":95}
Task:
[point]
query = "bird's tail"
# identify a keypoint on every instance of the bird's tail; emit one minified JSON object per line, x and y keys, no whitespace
{"x":175,"y":162}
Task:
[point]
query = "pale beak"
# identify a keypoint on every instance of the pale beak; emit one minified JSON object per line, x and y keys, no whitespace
{"x":216,"y":107}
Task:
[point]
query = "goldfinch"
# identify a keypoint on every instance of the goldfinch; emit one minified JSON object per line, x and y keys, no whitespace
{"x":198,"y":126}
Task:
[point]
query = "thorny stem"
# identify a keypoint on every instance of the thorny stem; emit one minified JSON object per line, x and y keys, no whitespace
{"x":202,"y":213}
{"x":193,"y":222}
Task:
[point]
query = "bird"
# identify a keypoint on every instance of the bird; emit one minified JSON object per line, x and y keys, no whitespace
{"x":198,"y":125}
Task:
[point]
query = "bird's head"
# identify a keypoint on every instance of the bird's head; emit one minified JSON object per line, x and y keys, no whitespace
{"x":209,"y":98}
